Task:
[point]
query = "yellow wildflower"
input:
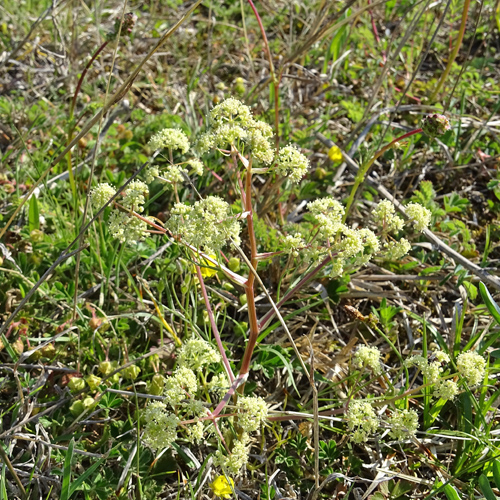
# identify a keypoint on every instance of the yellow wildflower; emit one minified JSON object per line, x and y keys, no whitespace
{"x":209,"y":271}
{"x":335,"y":154}
{"x":222,"y":488}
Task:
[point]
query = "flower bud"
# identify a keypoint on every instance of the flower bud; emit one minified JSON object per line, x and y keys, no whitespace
{"x":131,"y":372}
{"x":76,"y":384}
{"x":239,"y":86}
{"x":76,"y":408}
{"x":95,"y":323}
{"x":93,"y":382}
{"x":435,"y":125}
{"x":18,"y":346}
{"x":129,"y":20}
{"x":156,"y":385}
{"x":234,"y":264}
{"x":88,"y":403}
{"x":105,"y":367}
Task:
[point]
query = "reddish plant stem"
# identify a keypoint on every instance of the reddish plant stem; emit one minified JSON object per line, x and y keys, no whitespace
{"x":275,"y":81}
{"x":80,"y":81}
{"x":249,"y":287}
{"x":215,"y":330}
{"x":375,"y":32}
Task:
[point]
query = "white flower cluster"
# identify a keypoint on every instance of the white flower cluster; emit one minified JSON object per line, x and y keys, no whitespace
{"x":170,"y":138}
{"x":208,"y":224}
{"x":175,"y":173}
{"x":403,"y":424}
{"x":292,"y":163}
{"x":161,"y":427}
{"x":180,"y":392}
{"x":432,"y":371}
{"x":237,"y":459}
{"x":419,"y":215}
{"x":252,"y":412}
{"x":197,"y":353}
{"x":124,"y":225}
{"x":368,"y":357}
{"x":385,"y":214}
{"x":354,"y":246}
{"x":472,"y":367}
{"x":101,"y":194}
{"x":361,"y":419}
{"x":164,"y":420}
{"x":232,"y":124}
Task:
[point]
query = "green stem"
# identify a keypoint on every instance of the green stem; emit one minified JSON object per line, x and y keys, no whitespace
{"x":456,"y":48}
{"x":360,"y":176}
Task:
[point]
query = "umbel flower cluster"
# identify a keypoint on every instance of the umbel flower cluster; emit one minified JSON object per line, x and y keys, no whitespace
{"x":362,"y":418}
{"x":183,"y":415}
{"x":353,"y":247}
{"x":123,"y":221}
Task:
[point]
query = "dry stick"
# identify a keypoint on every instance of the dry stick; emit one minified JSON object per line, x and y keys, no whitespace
{"x":8,"y":463}
{"x":443,"y":247}
{"x":116,"y":97}
{"x":456,"y":48}
{"x":316,"y":416}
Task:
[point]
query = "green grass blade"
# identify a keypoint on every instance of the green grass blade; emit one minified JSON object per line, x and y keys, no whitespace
{"x":9,"y":349}
{"x":450,"y":492}
{"x":3,"y":490}
{"x":492,"y":306}
{"x":496,"y":473}
{"x":485,"y":487}
{"x":66,"y":482}
{"x":33,"y":214}
{"x":79,"y":480}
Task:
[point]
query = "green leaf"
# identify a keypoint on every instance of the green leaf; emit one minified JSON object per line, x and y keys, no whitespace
{"x":496,"y":473}
{"x":77,"y":483}
{"x":489,"y":302}
{"x":9,"y":349}
{"x":33,"y":214}
{"x":470,"y":289}
{"x":485,"y":487}
{"x":66,"y":482}
{"x":451,"y":492}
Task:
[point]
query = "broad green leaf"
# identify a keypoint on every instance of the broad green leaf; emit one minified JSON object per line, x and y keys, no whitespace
{"x":496,"y":473}
{"x":485,"y":487}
